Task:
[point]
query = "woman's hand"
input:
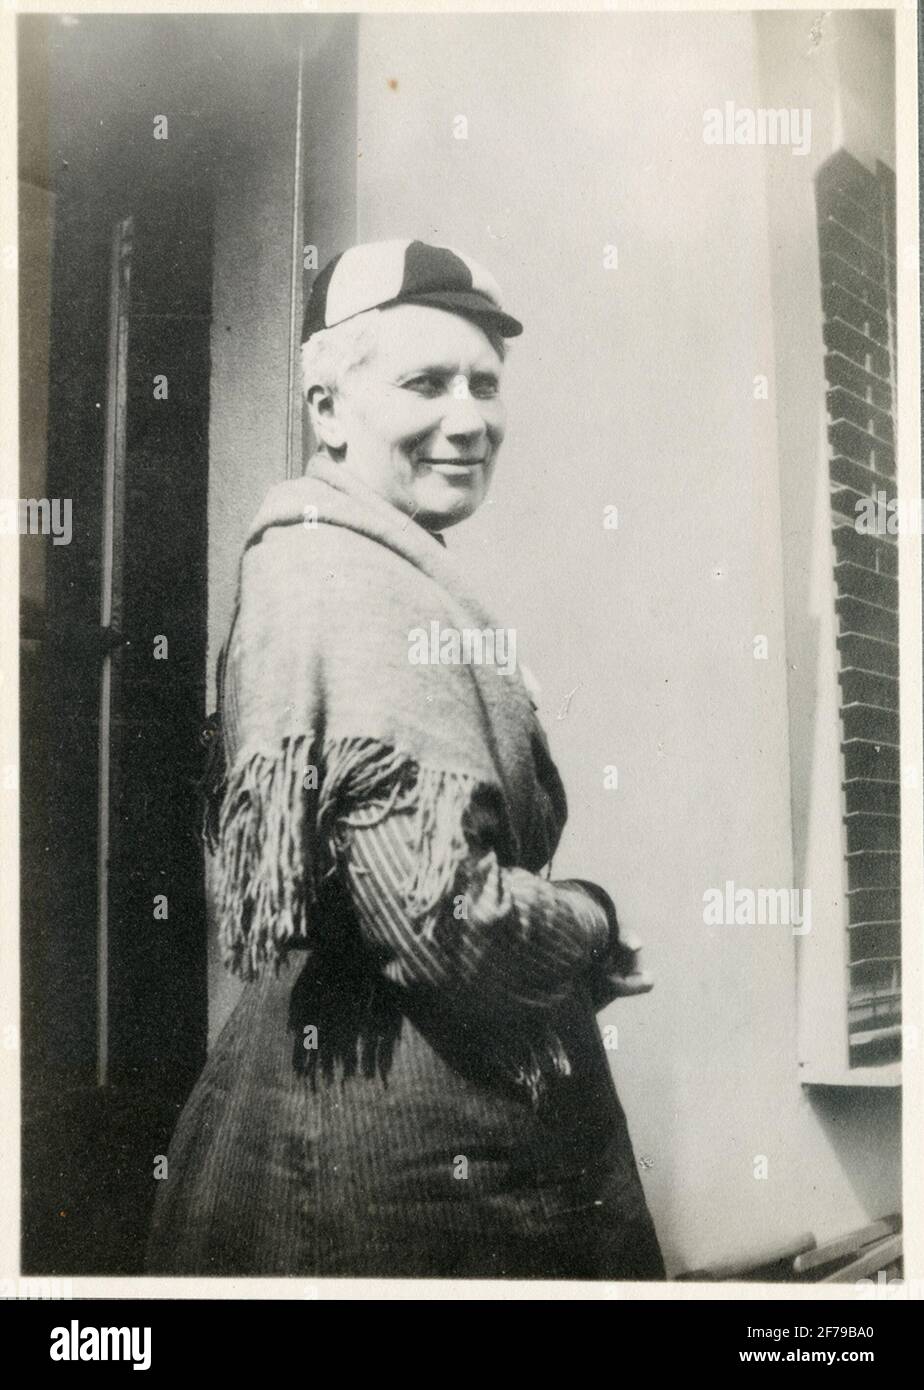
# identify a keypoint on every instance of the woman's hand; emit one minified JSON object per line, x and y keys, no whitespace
{"x":626,"y":975}
{"x":617,"y":974}
{"x":622,"y":976}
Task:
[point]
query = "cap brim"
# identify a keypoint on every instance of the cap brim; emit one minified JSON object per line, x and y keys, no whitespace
{"x":469,"y":303}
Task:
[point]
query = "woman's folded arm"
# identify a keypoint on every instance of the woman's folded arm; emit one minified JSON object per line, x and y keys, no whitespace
{"x":501,"y":936}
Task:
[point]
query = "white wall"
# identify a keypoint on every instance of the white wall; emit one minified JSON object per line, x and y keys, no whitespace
{"x":634,"y":387}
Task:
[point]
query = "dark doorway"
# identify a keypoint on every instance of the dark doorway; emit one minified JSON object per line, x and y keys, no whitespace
{"x":163,"y":230}
{"x":113,"y":945}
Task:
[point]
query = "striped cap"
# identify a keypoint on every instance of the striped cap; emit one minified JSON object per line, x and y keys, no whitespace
{"x":381,"y":273}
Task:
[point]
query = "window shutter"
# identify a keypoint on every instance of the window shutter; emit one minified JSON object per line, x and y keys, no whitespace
{"x":856,"y":229}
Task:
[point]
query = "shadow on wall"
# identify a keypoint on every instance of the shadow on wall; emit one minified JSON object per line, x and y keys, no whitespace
{"x":854,"y":1122}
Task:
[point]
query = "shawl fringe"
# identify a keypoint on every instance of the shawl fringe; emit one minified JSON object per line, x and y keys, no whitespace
{"x":271,"y":823}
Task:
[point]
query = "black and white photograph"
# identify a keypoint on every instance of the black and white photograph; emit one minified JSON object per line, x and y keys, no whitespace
{"x":462,"y":479}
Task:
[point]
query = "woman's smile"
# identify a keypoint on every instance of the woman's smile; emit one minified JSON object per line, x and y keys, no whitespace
{"x":452,"y":467}
{"x":421,"y":421}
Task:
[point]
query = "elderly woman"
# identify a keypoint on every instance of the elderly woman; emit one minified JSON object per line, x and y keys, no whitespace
{"x":412,"y":1082}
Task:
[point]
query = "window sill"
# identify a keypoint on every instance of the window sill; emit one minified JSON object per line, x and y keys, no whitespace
{"x":890,"y":1074}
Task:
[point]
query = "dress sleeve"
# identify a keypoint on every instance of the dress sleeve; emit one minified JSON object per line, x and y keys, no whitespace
{"x":502,"y":936}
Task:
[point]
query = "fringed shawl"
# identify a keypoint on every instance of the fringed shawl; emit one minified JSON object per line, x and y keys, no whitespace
{"x":321,"y":707}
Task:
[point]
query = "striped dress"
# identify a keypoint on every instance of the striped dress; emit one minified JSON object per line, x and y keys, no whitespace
{"x":400,"y":1103}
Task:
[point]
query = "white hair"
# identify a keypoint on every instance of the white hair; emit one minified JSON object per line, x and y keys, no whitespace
{"x":330,"y":354}
{"x":333,"y":352}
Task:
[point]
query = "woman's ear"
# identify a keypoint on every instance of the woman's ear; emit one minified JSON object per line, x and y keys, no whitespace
{"x":325,"y":418}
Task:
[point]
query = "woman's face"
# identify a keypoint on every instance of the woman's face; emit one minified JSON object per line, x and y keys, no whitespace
{"x":422,"y":419}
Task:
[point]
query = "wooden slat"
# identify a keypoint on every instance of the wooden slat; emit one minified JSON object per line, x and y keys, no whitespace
{"x":864,"y":759}
{"x":867,"y":653}
{"x":877,"y":551}
{"x":747,"y":1261}
{"x":838,"y":302}
{"x":844,"y":404}
{"x":876,"y":1035}
{"x":863,"y":447}
{"x":867,"y":796}
{"x":855,"y":582}
{"x":866,"y":939}
{"x":874,"y":868}
{"x":866,"y":905}
{"x":836,"y":271}
{"x":835,"y":237}
{"x":884,"y":1252}
{"x":841,"y":337}
{"x":867,"y":831}
{"x":869,"y":722}
{"x":841,"y":371}
{"x":866,"y":482}
{"x":846,"y":1245}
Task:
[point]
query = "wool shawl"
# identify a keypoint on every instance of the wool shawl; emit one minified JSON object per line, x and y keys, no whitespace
{"x":323,"y":706}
